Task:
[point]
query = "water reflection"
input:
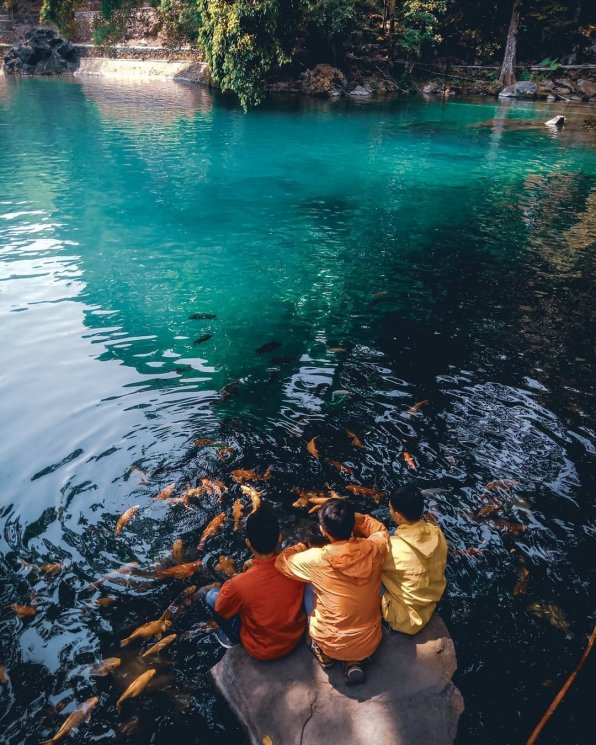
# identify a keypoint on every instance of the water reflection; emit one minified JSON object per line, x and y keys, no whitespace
{"x":396,"y":254}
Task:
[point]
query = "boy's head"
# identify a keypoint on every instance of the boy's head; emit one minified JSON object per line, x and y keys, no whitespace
{"x":336,"y":518}
{"x":262,"y":531}
{"x":407,"y":500}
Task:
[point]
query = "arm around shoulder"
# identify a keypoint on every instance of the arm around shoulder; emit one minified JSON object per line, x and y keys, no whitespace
{"x":295,"y":561}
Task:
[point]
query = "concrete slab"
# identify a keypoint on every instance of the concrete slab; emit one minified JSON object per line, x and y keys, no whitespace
{"x":408,"y":697}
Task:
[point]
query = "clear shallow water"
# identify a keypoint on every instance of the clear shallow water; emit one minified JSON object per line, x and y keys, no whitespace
{"x":124,"y":208}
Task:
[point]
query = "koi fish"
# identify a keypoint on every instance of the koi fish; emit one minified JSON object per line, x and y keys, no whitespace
{"x":166,"y":492}
{"x":505,"y":484}
{"x":510,"y":527}
{"x":3,"y":676}
{"x":254,"y":495}
{"x":165,"y":642}
{"x":212,"y":527}
{"x":356,"y":441}
{"x":129,"y":727}
{"x":237,"y":511}
{"x":182,"y":600}
{"x":105,"y":666}
{"x":180,"y":572}
{"x":125,"y":518}
{"x":51,"y":568}
{"x":410,"y":462}
{"x":241,"y":475}
{"x":489,"y":509}
{"x":213,"y":486}
{"x":202,"y":317}
{"x":312,"y":448}
{"x":230,"y":389}
{"x":203,"y":442}
{"x":336,"y":350}
{"x":269,"y":347}
{"x":147,"y":630}
{"x":128,"y":568}
{"x":223,"y":453}
{"x":226,"y":565}
{"x":104,"y":602}
{"x":178,"y":551}
{"x":183,"y":500}
{"x":23,"y":611}
{"x":553,"y":614}
{"x":341,"y":467}
{"x":79,"y":715}
{"x":521,"y":588}
{"x":202,"y":339}
{"x":366,"y":491}
{"x":136,"y":687}
{"x":416,"y":408}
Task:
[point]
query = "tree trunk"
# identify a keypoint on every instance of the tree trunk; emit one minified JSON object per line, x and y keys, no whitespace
{"x":508,"y":69}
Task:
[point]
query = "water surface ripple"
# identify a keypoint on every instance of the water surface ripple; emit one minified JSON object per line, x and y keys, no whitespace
{"x":396,"y":252}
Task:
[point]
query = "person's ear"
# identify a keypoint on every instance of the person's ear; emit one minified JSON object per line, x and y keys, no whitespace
{"x":248,"y":543}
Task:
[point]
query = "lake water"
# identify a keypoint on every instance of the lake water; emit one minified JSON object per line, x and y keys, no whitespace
{"x":399,"y":252}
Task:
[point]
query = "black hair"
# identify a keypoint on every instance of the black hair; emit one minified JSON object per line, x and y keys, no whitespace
{"x":262,"y":530}
{"x":408,"y":501}
{"x":337,"y":517}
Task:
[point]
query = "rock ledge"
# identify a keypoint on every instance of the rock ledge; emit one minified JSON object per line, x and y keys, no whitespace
{"x":408,"y":697}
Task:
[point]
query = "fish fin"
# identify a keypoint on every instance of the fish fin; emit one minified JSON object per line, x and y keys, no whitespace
{"x":125,"y":642}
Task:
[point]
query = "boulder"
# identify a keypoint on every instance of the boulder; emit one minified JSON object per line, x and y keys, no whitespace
{"x":521,"y":89}
{"x":323,"y":80}
{"x":41,"y":52}
{"x":556,"y":121}
{"x":433,"y":89}
{"x":359,"y":91}
{"x":408,"y":696}
{"x":587,"y":88}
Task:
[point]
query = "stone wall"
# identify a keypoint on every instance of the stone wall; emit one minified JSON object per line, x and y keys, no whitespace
{"x":144,"y":24}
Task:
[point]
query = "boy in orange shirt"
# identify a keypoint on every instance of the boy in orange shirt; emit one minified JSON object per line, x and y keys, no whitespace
{"x":344,"y":615}
{"x":260,"y":608}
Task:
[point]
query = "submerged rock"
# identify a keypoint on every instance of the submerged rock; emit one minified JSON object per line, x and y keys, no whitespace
{"x":522,"y":89}
{"x":408,"y":696}
{"x":556,"y":121}
{"x":42,"y":51}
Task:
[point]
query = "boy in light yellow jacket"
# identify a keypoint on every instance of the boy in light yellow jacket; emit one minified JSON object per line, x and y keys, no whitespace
{"x":413,"y":574}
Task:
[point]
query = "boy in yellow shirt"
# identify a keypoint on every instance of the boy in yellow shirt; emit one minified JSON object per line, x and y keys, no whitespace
{"x":413,"y":574}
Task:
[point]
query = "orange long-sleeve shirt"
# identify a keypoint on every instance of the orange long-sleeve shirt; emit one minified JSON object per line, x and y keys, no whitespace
{"x":346,"y":576}
{"x":272,"y":619}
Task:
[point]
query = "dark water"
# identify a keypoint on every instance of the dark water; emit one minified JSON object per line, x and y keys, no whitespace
{"x":448,"y":255}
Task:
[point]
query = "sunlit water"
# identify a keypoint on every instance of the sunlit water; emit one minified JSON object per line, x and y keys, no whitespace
{"x":445,"y":253}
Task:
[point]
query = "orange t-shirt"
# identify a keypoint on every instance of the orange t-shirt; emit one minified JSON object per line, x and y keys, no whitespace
{"x":270,"y":608}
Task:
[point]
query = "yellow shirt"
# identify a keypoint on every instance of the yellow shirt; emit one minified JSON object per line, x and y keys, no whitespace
{"x":413,"y":576}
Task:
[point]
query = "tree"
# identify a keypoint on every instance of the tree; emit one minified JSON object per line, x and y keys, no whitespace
{"x":507,"y":76}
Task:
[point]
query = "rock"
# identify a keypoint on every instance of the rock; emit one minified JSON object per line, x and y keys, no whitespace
{"x":556,"y":121}
{"x":521,"y":89}
{"x":359,"y":91}
{"x":564,"y":84}
{"x":587,"y":88}
{"x":408,"y":697}
{"x":323,"y":80}
{"x":433,"y":89}
{"x":41,"y":52}
{"x":550,"y":97}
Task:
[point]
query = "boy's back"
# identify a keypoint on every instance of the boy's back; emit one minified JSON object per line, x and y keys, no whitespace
{"x":413,"y":576}
{"x":269,"y":606}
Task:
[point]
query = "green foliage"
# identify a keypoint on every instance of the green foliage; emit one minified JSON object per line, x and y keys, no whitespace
{"x":180,"y":19}
{"x":418,"y":23}
{"x":110,"y":26}
{"x":60,"y":12}
{"x":552,"y":64}
{"x":524,"y":75}
{"x":242,"y":44}
{"x":331,"y":17}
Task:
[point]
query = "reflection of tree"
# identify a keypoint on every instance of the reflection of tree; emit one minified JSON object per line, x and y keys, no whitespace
{"x":583,"y":233}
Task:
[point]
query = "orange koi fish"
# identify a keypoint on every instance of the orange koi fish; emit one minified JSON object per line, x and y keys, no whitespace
{"x":254,"y":495}
{"x":136,"y":687}
{"x":312,"y":448}
{"x":410,"y":462}
{"x":166,"y":492}
{"x":105,"y":666}
{"x":180,"y":572}
{"x":178,"y":551}
{"x":212,"y":527}
{"x":165,"y":642}
{"x":356,"y":441}
{"x":237,"y":511}
{"x":79,"y":715}
{"x":416,"y":408}
{"x":147,"y":630}
{"x":125,"y":518}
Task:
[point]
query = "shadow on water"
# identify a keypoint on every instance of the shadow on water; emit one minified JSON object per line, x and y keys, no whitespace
{"x":392,"y":265}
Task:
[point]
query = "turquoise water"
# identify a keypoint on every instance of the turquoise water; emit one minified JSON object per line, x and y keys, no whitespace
{"x":447,"y":254}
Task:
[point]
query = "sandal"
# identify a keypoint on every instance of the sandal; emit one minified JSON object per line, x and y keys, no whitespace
{"x":353,"y":673}
{"x":324,"y":661}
